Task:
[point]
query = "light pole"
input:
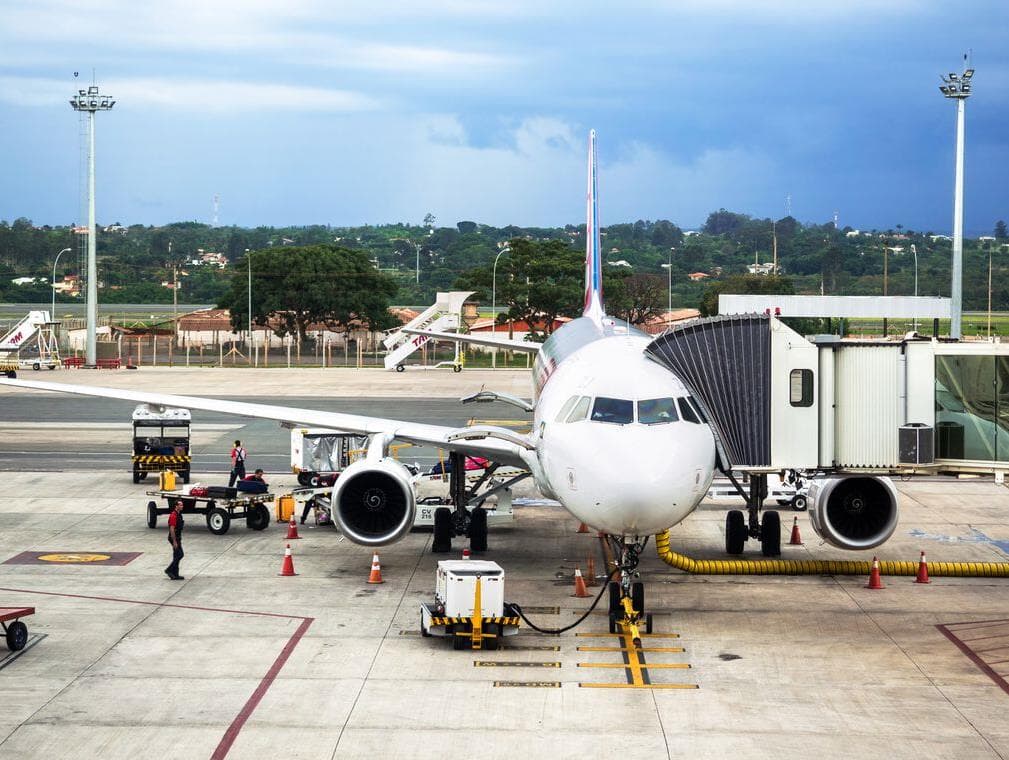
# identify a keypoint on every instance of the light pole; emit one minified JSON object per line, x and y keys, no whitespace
{"x":988,"y":246}
{"x":248,"y":260}
{"x":493,"y":303}
{"x":417,"y":276}
{"x":90,"y":102}
{"x":914,"y":250}
{"x":52,"y":314}
{"x":957,"y":88}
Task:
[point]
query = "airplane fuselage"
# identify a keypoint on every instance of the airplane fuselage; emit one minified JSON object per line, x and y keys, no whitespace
{"x":618,"y":440}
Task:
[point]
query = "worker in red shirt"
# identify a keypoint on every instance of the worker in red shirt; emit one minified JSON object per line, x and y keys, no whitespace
{"x":237,"y":464}
{"x":175,"y":525}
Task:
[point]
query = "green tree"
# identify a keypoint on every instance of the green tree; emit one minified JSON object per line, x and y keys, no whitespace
{"x":299,"y":286}
{"x":637,"y":298}
{"x":1001,"y":232}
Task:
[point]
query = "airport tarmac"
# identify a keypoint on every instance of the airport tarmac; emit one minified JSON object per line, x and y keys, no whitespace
{"x":238,"y":662}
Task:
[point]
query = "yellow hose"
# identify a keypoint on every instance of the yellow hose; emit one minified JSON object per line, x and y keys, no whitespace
{"x":821,"y":566}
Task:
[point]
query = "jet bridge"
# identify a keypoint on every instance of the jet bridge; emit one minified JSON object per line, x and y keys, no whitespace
{"x":777,"y":401}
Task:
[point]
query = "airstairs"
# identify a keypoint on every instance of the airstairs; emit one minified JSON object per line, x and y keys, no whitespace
{"x":445,"y":315}
{"x":35,"y":328}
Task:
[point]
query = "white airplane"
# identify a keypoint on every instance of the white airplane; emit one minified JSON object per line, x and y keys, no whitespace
{"x":617,"y":438}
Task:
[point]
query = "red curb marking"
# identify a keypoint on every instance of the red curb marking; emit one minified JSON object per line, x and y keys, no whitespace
{"x":973,"y":657}
{"x":265,"y":683}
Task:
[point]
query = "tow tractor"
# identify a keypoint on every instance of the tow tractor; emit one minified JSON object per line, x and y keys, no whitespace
{"x":161,"y":441}
{"x":469,"y":605}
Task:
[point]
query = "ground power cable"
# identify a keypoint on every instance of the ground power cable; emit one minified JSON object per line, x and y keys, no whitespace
{"x":579,"y":621}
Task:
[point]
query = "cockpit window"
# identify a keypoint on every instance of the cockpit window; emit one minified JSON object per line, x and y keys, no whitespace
{"x":657,"y":411}
{"x":563,"y":413}
{"x":615,"y":410}
{"x":687,"y":411}
{"x":697,"y":408}
{"x":580,"y":410}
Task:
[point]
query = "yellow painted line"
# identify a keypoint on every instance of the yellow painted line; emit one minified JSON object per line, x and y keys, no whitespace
{"x":638,"y":686}
{"x":624,"y":649}
{"x":620,"y":635}
{"x":636,"y":665}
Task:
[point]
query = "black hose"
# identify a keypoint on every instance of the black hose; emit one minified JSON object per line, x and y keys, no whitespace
{"x":579,"y":621}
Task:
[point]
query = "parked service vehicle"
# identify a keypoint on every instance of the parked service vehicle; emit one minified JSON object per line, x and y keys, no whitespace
{"x":318,"y":455}
{"x":469,"y":605}
{"x":161,"y":441}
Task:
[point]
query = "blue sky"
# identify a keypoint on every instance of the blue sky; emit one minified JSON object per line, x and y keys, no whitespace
{"x":307,"y":111}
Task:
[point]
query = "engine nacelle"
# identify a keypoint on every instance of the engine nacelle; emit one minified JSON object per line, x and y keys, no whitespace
{"x":374,"y":503}
{"x":853,"y":511}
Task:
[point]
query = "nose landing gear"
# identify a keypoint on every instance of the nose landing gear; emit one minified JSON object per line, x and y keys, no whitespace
{"x":627,"y":597}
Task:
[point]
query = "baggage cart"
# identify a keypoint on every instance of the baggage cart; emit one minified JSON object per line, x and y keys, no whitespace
{"x":219,"y":512}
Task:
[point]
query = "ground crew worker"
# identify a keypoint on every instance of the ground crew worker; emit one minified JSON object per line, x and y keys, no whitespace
{"x":175,"y":524}
{"x":237,"y":464}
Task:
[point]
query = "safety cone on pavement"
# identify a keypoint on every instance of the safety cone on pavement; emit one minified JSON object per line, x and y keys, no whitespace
{"x":465,"y":553}
{"x":922,"y":576}
{"x":874,"y":579}
{"x":288,"y":567}
{"x":796,"y":539}
{"x":580,"y":591}
{"x":292,"y":528}
{"x":376,"y":570}
{"x":583,"y":528}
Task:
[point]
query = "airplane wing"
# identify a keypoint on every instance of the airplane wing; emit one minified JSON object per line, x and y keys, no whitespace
{"x":497,"y":444}
{"x":479,"y":340}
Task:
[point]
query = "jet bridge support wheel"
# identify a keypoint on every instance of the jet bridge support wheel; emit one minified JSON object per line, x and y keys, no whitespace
{"x":770,"y":534}
{"x":735,"y":532}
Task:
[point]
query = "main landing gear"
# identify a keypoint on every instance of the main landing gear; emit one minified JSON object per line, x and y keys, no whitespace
{"x":739,"y":528}
{"x":466,"y":517}
{"x":627,"y":596}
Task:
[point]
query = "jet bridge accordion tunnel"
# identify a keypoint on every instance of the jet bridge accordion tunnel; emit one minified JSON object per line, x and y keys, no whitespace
{"x":760,"y":384}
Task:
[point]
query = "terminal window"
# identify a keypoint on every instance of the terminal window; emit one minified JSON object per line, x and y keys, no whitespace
{"x":972,"y":408}
{"x":800,"y":387}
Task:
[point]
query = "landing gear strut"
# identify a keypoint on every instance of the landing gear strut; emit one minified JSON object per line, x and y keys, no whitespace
{"x":627,"y":596}
{"x":739,"y":528}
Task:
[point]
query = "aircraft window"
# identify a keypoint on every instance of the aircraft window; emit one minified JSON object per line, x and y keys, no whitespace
{"x":563,"y":413}
{"x":697,"y":408}
{"x":657,"y":411}
{"x":615,"y":410}
{"x":687,"y":411}
{"x":580,"y":411}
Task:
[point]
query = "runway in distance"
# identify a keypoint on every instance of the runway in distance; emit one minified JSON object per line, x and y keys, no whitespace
{"x":616,"y":439}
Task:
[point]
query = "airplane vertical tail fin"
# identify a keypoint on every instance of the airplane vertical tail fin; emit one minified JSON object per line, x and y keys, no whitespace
{"x":593,"y":250}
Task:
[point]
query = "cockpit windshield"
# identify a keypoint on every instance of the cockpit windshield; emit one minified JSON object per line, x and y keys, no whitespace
{"x":617,"y":411}
{"x":657,"y":411}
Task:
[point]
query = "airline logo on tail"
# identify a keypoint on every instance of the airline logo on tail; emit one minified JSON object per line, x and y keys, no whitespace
{"x":593,"y":256}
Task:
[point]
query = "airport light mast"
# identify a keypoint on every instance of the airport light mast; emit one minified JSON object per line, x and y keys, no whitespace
{"x":957,"y":88}
{"x":91,"y":102}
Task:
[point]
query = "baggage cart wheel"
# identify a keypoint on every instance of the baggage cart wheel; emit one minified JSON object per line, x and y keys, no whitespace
{"x":36,"y":366}
{"x":17,"y":636}
{"x":304,"y":478}
{"x":136,"y":476}
{"x":457,"y":368}
{"x":152,"y":514}
{"x":258,"y":517}
{"x":400,"y":368}
{"x":218,"y":521}
{"x":800,"y":504}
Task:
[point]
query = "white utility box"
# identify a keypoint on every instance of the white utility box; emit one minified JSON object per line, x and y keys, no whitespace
{"x":455,"y":587}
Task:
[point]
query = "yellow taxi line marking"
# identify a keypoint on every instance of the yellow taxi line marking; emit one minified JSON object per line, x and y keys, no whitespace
{"x":624,"y":649}
{"x":638,"y":686}
{"x":636,"y":666}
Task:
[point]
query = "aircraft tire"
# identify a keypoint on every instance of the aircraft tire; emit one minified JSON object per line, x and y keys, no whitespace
{"x":648,"y":623}
{"x":442,"y":541}
{"x":638,"y":597}
{"x":770,"y":534}
{"x":735,"y":532}
{"x":478,"y":530}
{"x":614,"y":597}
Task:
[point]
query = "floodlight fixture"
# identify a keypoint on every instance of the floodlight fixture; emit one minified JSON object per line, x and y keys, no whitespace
{"x":968,"y":74}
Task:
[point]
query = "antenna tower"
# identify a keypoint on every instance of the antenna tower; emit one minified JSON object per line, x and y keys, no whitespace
{"x":217,"y":207}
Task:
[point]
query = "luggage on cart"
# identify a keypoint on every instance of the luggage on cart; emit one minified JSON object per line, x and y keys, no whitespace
{"x":222,"y":492}
{"x":251,"y":486}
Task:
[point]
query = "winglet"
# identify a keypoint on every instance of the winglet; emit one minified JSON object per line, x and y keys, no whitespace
{"x":593,"y":248}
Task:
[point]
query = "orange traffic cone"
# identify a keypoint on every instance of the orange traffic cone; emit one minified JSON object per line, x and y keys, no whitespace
{"x":580,"y":591}
{"x":465,"y":553}
{"x":288,"y":567}
{"x":583,"y":528}
{"x":874,"y":579}
{"x":922,"y":576}
{"x":376,"y":570}
{"x":796,"y":539}
{"x":292,"y":528}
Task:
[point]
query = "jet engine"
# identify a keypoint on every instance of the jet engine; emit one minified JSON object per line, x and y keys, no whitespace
{"x":374,"y":503}
{"x":853,"y":511}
